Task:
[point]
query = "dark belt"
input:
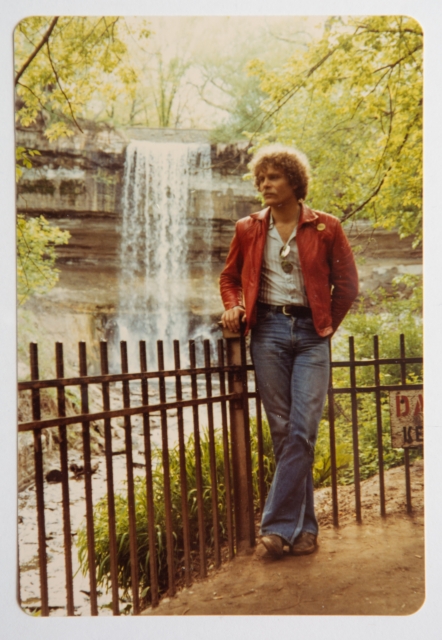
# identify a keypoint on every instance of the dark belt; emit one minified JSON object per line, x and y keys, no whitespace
{"x":296,"y":311}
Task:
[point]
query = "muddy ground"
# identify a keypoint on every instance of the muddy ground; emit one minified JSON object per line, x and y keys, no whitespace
{"x":373,"y":568}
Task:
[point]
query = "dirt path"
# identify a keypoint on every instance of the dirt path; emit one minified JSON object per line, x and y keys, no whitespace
{"x":376,"y":568}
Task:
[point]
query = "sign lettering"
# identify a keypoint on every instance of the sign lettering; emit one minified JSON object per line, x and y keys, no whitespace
{"x":406,"y":418}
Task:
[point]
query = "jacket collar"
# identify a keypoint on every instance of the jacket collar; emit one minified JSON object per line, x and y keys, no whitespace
{"x":307,"y":215}
{"x":264,"y":214}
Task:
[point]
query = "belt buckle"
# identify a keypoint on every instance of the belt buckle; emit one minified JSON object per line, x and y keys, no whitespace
{"x":284,"y":311}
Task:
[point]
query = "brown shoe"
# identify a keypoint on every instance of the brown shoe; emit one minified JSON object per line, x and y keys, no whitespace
{"x":274,"y":545}
{"x":305,"y":543}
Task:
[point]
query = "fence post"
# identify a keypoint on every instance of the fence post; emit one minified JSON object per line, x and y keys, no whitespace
{"x":240,"y":438}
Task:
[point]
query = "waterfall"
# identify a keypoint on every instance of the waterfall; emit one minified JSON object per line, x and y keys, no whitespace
{"x":158,"y":211}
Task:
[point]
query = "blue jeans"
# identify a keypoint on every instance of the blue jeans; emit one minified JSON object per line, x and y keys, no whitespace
{"x":292,"y":364}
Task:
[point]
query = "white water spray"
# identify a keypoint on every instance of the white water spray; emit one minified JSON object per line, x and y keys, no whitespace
{"x":159,"y":180}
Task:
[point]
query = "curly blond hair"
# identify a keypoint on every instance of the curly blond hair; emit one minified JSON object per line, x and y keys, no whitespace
{"x":293,"y":163}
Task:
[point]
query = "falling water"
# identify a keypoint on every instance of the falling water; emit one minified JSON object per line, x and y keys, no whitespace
{"x":161,"y":217}
{"x":159,"y":180}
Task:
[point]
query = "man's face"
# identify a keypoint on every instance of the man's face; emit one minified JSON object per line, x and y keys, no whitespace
{"x":275,"y":187}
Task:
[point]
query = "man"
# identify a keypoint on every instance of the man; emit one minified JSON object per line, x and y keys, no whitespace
{"x":290,"y":276}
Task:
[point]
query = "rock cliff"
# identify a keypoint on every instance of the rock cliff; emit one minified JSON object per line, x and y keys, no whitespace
{"x":76,"y":183}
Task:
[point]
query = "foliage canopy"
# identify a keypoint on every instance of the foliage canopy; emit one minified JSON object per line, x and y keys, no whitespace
{"x":353,"y":103}
{"x":59,"y":63}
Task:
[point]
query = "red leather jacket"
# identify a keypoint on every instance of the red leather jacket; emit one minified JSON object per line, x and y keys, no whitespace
{"x":327,"y":263}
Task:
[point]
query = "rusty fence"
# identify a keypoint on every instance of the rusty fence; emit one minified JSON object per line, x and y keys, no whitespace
{"x":229,"y":387}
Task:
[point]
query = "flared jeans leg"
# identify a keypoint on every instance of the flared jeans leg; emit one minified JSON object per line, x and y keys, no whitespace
{"x":292,"y":365}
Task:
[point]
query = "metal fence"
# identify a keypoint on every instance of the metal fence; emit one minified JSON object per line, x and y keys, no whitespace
{"x":229,"y":387}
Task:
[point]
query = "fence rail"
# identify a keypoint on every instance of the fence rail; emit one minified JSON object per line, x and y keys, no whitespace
{"x":226,"y":386}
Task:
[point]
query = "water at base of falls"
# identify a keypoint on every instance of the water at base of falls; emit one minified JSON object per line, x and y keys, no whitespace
{"x":159,"y":180}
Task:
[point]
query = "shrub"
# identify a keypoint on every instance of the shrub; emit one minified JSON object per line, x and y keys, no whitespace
{"x":122,"y":520}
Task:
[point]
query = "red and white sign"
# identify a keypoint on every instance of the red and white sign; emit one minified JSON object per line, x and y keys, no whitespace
{"x":406,"y":419}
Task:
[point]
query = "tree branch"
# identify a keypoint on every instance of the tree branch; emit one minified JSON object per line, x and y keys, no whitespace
{"x":200,"y":90}
{"x":367,"y":30}
{"x":374,"y":193}
{"x":394,"y":64}
{"x":217,"y":106}
{"x":390,"y":128}
{"x":61,"y":88}
{"x":364,"y":98}
{"x":294,"y":89}
{"x":37,"y":49}
{"x":35,"y":96}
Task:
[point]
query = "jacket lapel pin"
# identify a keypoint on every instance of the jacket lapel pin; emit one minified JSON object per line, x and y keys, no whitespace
{"x":320,"y":226}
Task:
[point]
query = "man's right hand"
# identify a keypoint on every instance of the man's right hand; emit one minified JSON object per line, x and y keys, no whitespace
{"x":232,"y":318}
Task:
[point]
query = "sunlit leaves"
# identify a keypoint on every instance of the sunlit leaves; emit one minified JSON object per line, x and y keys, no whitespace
{"x":23,"y":160}
{"x":353,"y":103}
{"x":65,"y":73}
{"x":57,"y":130}
{"x":36,"y":241}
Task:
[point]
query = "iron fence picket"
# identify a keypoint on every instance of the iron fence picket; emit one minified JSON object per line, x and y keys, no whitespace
{"x":113,"y":551}
{"x":380,"y":445}
{"x":332,"y":437}
{"x":133,"y":550}
{"x":226,"y":452}
{"x":153,"y":557}
{"x":260,"y":447}
{"x":212,"y":460}
{"x":39,"y":487}
{"x":248,"y":450}
{"x":183,"y":471}
{"x":166,"y":475}
{"x":67,"y":534}
{"x":198,"y":467}
{"x":406,"y":450}
{"x":90,"y":534}
{"x":355,"y":433}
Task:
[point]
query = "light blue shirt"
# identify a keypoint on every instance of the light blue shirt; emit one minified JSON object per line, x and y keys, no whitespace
{"x":278,"y":287}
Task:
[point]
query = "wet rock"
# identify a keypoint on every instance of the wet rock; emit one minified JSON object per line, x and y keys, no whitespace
{"x":53,"y":476}
{"x":78,"y":470}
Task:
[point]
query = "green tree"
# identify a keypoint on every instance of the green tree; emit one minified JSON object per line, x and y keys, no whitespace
{"x":162,"y":92}
{"x":59,"y":62}
{"x":353,"y":103}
